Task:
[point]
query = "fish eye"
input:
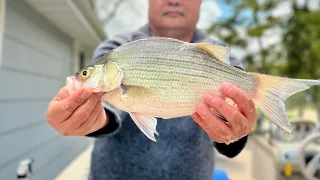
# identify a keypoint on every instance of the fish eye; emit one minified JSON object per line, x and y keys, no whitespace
{"x":85,"y":73}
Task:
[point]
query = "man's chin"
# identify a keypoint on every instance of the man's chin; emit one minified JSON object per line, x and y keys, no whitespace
{"x":174,"y":23}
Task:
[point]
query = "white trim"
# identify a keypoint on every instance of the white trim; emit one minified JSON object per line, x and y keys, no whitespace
{"x":75,"y":58}
{"x":78,"y":13}
{"x":2,"y":24}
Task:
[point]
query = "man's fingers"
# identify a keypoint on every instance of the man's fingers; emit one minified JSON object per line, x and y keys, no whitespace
{"x":101,"y":121}
{"x":62,"y":94}
{"x":243,"y":101}
{"x":58,"y":108}
{"x":235,"y":119}
{"x":95,"y":122}
{"x":78,"y":111}
{"x":64,"y":108}
{"x":76,"y":99}
{"x":85,"y":127}
{"x":93,"y":115}
{"x":216,"y":125}
{"x":217,"y":138}
{"x":82,"y":113}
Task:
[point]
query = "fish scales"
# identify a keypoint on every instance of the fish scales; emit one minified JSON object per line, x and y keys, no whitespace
{"x":203,"y":68}
{"x":179,"y":61}
{"x":175,"y":62}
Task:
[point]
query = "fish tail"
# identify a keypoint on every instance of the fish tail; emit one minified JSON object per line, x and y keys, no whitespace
{"x":270,"y":93}
{"x":310,"y":82}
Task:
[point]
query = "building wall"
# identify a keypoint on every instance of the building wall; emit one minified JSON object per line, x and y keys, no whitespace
{"x":36,"y":58}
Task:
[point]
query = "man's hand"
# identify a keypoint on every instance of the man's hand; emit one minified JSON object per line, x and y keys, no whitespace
{"x":241,"y":118}
{"x":78,"y":114}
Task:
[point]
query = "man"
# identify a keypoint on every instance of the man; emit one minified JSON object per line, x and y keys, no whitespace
{"x":184,"y":149}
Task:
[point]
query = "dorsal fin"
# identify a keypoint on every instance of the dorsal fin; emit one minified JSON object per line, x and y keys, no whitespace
{"x":220,"y":52}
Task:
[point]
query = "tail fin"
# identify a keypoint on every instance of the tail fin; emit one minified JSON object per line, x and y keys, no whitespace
{"x":272,"y":91}
{"x":310,"y":82}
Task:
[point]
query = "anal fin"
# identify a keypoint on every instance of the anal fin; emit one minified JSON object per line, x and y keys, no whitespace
{"x":147,"y":124}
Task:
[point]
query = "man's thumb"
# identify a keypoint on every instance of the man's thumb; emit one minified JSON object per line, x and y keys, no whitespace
{"x":76,"y":99}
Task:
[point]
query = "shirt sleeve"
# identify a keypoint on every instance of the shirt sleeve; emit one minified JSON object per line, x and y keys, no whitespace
{"x":115,"y":116}
{"x":233,"y":149}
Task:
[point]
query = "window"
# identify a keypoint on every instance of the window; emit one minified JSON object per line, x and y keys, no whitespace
{"x":81,"y":59}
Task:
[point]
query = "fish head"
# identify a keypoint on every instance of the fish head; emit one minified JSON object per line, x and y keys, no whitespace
{"x":99,"y":77}
{"x":90,"y":76}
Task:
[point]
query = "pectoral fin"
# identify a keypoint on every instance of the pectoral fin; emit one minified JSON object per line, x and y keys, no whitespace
{"x":147,"y":124}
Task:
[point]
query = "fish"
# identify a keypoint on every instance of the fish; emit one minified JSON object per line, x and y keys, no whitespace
{"x":160,"y":77}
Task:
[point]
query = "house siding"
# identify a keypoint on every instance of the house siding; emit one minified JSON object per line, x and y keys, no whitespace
{"x":36,"y":58}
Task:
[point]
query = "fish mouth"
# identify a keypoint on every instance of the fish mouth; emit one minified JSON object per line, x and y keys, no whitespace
{"x":72,"y":84}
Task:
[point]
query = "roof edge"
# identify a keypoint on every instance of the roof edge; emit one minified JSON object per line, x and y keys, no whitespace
{"x":89,"y":11}
{"x":80,"y":15}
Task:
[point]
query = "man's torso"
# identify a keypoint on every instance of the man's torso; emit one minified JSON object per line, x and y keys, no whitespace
{"x":182,"y":151}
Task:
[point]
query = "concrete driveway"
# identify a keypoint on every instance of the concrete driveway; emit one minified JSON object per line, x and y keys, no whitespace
{"x":239,"y":167}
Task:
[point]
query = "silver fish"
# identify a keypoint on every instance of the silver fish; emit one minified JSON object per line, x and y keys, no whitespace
{"x":165,"y":78}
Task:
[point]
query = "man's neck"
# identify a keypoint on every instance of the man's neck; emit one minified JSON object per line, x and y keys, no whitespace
{"x":172,"y":33}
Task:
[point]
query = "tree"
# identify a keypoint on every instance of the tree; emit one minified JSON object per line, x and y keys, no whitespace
{"x":296,"y":55}
{"x":301,"y":40}
{"x":253,"y":19}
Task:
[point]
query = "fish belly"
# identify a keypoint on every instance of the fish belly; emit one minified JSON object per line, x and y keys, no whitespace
{"x":164,"y":99}
{"x":163,"y":103}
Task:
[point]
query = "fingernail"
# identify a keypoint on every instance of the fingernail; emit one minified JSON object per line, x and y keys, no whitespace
{"x":212,"y":98}
{"x":226,"y":87}
{"x":202,"y":109}
{"x":85,"y":94}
